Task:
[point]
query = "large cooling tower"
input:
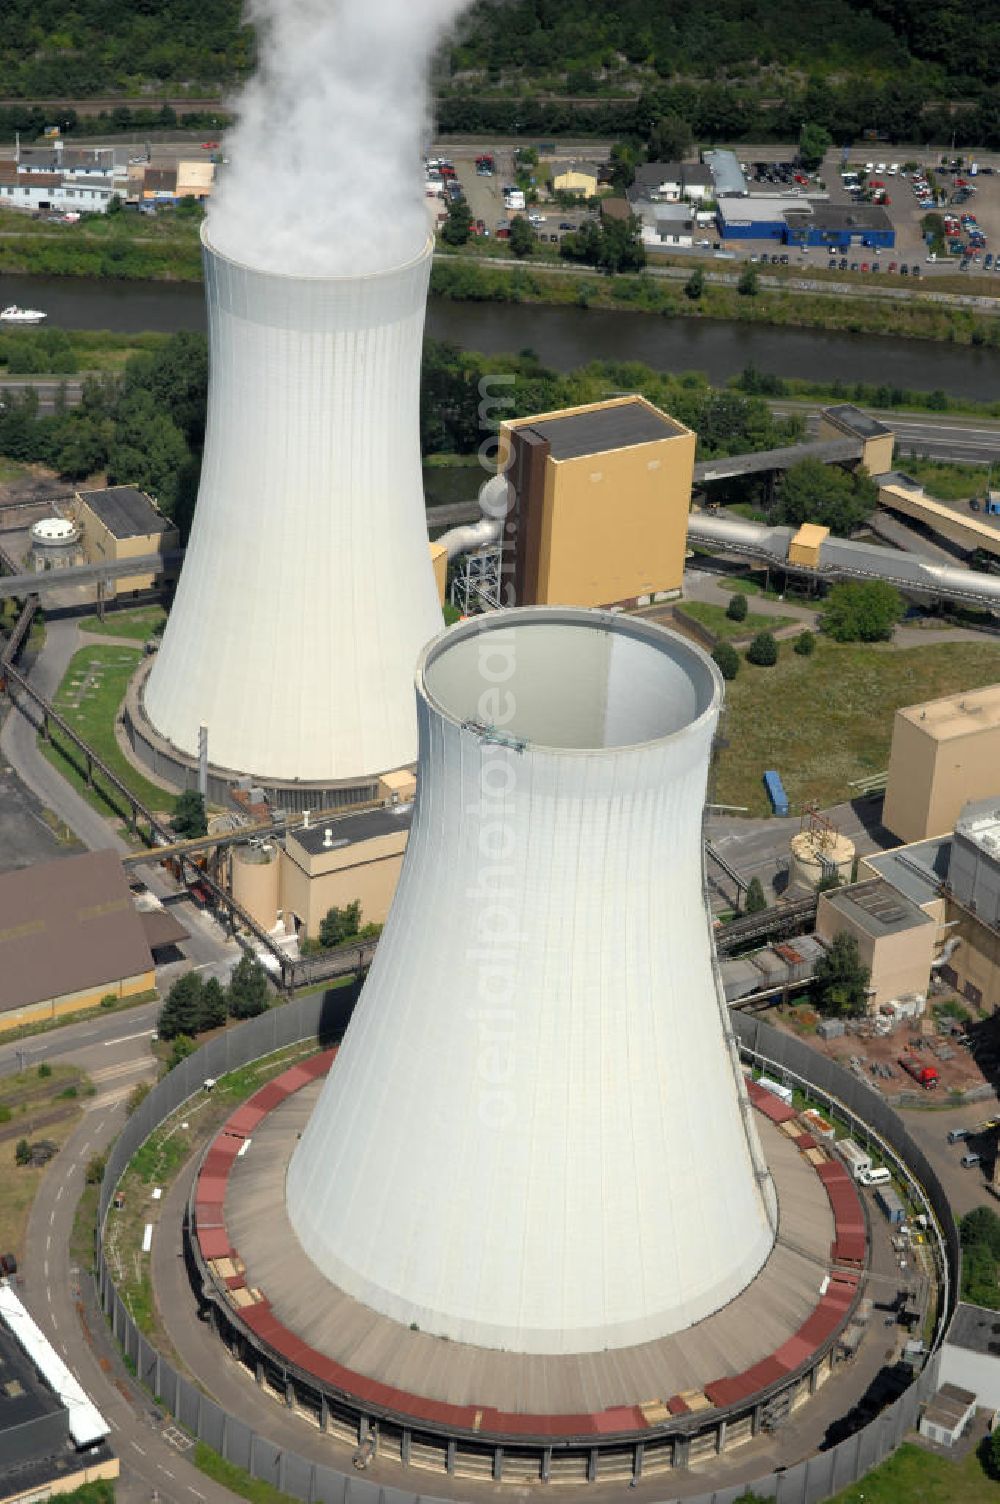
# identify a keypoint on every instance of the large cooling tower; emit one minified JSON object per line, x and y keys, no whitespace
{"x":535,"y":1136}
{"x":307,"y":591}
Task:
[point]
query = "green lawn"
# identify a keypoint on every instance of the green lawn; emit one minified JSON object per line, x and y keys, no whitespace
{"x":89,"y":697}
{"x":913,"y":1476}
{"x":944,"y":481}
{"x":142,"y":623}
{"x":715,"y":619}
{"x":825,"y":720}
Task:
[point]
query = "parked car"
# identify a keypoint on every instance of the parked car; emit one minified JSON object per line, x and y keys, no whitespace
{"x":864,"y":266}
{"x":854,"y":266}
{"x":876,"y":266}
{"x":988,"y":260}
{"x":893,"y":267}
{"x":915,"y":270}
{"x":843,"y":263}
{"x":970,"y":1160}
{"x":904,"y":270}
{"x":956,"y":1135}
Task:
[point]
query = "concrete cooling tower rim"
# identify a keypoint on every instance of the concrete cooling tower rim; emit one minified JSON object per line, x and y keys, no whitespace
{"x":447,"y":679}
{"x":248,"y":265}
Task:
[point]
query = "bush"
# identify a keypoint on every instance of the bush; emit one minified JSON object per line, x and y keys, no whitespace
{"x":4,"y":1113}
{"x":22,"y":1151}
{"x":44,"y":1071}
{"x":182,"y":1047}
{"x":805,"y":644}
{"x":248,"y":989}
{"x":94,"y":1173}
{"x":340,"y":925}
{"x":695,"y":285}
{"x":763,"y":651}
{"x":737,"y":608}
{"x":189,"y":820}
{"x":109,"y":1000}
{"x":136,"y":1097}
{"x":841,"y":982}
{"x":728,"y":660}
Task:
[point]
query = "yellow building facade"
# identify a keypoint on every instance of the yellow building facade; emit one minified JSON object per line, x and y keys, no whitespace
{"x":878,"y":443}
{"x":601,"y":501}
{"x":944,"y":753}
{"x":357,"y":859}
{"x":895,"y":938}
{"x":578,"y":178}
{"x":122,"y":523}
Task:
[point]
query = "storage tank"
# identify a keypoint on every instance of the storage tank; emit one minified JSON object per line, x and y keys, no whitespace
{"x":536,"y":1135}
{"x":307,"y":589}
{"x":256,"y":870}
{"x":55,"y":543}
{"x":819,"y":853}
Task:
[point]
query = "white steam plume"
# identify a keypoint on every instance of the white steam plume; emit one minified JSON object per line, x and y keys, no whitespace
{"x":324,"y":173}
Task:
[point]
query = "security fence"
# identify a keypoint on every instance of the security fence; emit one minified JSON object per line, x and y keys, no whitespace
{"x":323,"y":1019}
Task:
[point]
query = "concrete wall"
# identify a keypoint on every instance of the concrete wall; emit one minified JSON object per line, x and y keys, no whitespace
{"x":930,"y":778}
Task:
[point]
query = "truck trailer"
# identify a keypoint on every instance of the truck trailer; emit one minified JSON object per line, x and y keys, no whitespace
{"x":926,"y":1076}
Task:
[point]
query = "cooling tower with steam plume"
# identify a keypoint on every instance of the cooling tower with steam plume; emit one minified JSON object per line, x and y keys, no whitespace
{"x":505,"y":1152}
{"x":307,"y":589}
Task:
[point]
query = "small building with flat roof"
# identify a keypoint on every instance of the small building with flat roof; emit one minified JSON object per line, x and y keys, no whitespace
{"x":970,"y":1356}
{"x":947,"y":1414}
{"x":878,"y":441}
{"x":944,"y":753}
{"x":122,"y":522}
{"x":70,"y":935}
{"x":728,"y":177}
{"x":895,"y":938}
{"x":839,"y":227}
{"x":333,"y":864}
{"x":601,"y":496}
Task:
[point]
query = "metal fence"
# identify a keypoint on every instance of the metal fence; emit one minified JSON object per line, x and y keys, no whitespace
{"x":324,"y":1018}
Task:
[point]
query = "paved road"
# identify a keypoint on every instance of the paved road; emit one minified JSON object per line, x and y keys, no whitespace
{"x":59,"y":1297}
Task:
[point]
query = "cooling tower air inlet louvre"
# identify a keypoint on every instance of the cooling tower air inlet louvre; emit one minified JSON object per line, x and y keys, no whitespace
{"x":307,"y":591}
{"x":533,"y":1137}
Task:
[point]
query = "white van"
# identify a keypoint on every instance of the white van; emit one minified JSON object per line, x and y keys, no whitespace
{"x":877,"y":1176}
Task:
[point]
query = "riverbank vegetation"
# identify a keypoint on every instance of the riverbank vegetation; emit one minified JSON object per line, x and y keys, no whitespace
{"x":919,"y":318}
{"x":126,"y":245}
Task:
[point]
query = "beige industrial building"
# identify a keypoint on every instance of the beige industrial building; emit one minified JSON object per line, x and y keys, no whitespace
{"x":328,"y":864}
{"x":895,"y":938}
{"x":805,"y":547}
{"x":601,"y":501}
{"x":580,"y":178}
{"x":848,"y":422}
{"x":944,"y":752}
{"x":120,"y":523}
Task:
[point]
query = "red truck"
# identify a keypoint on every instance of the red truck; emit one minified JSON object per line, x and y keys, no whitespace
{"x":926,"y":1075}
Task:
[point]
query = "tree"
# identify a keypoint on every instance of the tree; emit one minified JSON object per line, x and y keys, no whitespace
{"x":670,"y":138}
{"x":619,"y":247}
{"x":182,"y":1011}
{"x":763,"y":651}
{"x":749,"y":284}
{"x":188,"y":819}
{"x":805,"y":644}
{"x":737,"y":608}
{"x":22,"y":1151}
{"x":338,"y":925}
{"x":755,"y":902}
{"x":813,"y":492}
{"x":214,"y":1005}
{"x":814,"y":143}
{"x":695,"y":285}
{"x":727,"y":659}
{"x":458,"y":226}
{"x":522,"y":237}
{"x":840,"y":981}
{"x":248,"y":989}
{"x":866,"y":611}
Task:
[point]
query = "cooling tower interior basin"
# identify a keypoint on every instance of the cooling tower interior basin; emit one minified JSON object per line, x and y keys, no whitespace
{"x":570,"y":680}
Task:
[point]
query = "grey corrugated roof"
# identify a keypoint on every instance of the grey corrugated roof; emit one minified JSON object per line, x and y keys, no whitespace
{"x":976,"y":1329}
{"x":604,"y":429}
{"x":126,"y":511}
{"x":68,"y":926}
{"x":915,"y":871}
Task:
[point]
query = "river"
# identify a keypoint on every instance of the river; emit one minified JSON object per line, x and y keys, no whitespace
{"x":564,"y":338}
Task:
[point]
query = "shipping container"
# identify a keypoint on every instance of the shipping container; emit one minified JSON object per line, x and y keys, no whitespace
{"x":776,"y":792}
{"x":888,"y":1200}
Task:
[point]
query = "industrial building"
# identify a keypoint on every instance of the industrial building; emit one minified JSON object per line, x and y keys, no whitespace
{"x":728,"y":178}
{"x":600,"y":499}
{"x":878,"y":442}
{"x":970,"y":1357}
{"x":801,"y":223}
{"x":895,"y":938}
{"x":307,"y":569}
{"x":121,"y":523}
{"x":579,"y":178}
{"x":600,"y":778}
{"x":944,"y":753}
{"x":72,"y":935}
{"x":52,"y":1438}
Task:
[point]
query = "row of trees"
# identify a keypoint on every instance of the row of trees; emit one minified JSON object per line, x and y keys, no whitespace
{"x":194,"y":1006}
